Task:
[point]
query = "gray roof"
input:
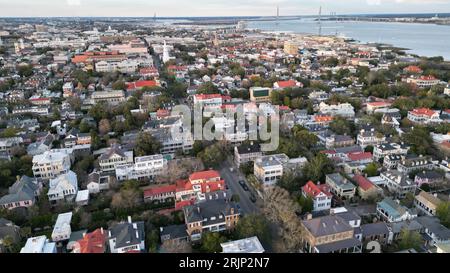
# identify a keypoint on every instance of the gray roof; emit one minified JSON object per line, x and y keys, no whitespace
{"x":434,"y":226}
{"x":327,"y":225}
{"x":343,"y":244}
{"x":348,"y":149}
{"x":349,"y":216}
{"x":378,"y":228}
{"x":22,"y":190}
{"x":208,"y":209}
{"x":125,"y":234}
{"x":174,"y":232}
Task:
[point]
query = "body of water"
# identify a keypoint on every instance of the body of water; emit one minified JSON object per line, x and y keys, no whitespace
{"x":422,"y":39}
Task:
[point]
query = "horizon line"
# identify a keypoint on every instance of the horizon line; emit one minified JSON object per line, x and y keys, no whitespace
{"x":226,"y":16}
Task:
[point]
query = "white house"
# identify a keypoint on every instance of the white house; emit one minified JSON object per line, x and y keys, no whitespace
{"x":320,"y":194}
{"x":39,"y":244}
{"x":127,"y":237}
{"x":62,"y":229}
{"x":247,"y":245}
{"x":50,"y":164}
{"x":63,"y":187}
{"x":343,"y":109}
{"x":145,"y":167}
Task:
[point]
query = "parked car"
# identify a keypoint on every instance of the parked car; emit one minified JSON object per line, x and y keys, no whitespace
{"x":243,"y":185}
{"x":253,"y":198}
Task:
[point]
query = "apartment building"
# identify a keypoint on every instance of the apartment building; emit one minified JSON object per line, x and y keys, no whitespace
{"x":113,"y":158}
{"x":424,"y":116}
{"x":260,"y":94}
{"x":50,"y":164}
{"x":329,"y":234}
{"x":382,"y":150}
{"x":246,"y":153}
{"x":145,"y":167}
{"x":345,"y":110}
{"x":210,"y":216}
{"x":340,"y":186}
{"x":269,"y":169}
{"x":415,"y":163}
{"x":398,"y":183}
{"x":112,"y":97}
{"x":370,"y":138}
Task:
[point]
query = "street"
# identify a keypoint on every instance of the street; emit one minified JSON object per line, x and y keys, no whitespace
{"x":232,"y":180}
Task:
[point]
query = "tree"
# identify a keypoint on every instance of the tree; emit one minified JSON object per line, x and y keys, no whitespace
{"x":443,"y":213}
{"x":420,"y":141}
{"x":211,"y":242}
{"x":213,"y":155}
{"x":104,"y":127}
{"x":146,"y":144}
{"x":282,"y":210}
{"x":253,"y":225}
{"x":371,"y":169}
{"x":235,"y":198}
{"x":341,"y":126}
{"x":207,"y":88}
{"x":129,"y":196}
{"x":152,"y":240}
{"x":179,"y":169}
{"x":306,"y":203}
{"x":175,"y":246}
{"x":119,"y":85}
{"x":409,"y":239}
{"x":25,"y":70}
{"x":317,"y":168}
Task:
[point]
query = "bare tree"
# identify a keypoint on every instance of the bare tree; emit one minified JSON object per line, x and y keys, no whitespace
{"x":172,"y":246}
{"x":180,"y":169}
{"x":281,"y":210}
{"x":104,"y":126}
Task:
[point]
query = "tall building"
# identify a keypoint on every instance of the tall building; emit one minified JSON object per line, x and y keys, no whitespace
{"x":166,"y":56}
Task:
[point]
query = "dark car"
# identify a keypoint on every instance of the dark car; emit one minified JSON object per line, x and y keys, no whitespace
{"x":243,"y":185}
{"x":253,"y":198}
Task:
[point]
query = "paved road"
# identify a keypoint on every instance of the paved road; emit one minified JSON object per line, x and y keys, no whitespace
{"x":232,"y":180}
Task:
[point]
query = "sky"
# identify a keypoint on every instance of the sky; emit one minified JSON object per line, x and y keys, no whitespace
{"x":206,"y":8}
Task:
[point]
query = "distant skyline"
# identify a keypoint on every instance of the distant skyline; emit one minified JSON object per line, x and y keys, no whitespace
{"x":208,"y":8}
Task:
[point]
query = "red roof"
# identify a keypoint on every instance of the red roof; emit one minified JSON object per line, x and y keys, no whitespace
{"x":413,"y":69}
{"x":379,"y":103}
{"x":423,"y":112}
{"x":428,"y":78}
{"x":323,"y":118}
{"x":313,"y":190}
{"x":205,"y":175}
{"x":363,"y":182}
{"x":207,"y":96}
{"x":162,"y":113}
{"x":159,"y":190}
{"x":93,"y":242}
{"x":286,"y":84}
{"x":183,"y":185}
{"x":213,"y":186}
{"x":359,"y":156}
{"x":284,"y":108}
{"x":141,"y":84}
{"x":180,"y":205}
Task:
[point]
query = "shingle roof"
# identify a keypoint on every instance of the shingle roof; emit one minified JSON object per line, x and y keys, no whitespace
{"x":326,"y":225}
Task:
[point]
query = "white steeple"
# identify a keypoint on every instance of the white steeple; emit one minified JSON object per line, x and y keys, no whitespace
{"x":166,"y":56}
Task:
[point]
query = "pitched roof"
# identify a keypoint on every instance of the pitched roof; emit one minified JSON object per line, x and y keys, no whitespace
{"x":359,"y":156}
{"x":159,"y":190}
{"x":363,"y":182}
{"x":326,"y":225}
{"x":286,"y":84}
{"x":93,"y":242}
{"x":313,"y":190}
{"x":204,"y":175}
